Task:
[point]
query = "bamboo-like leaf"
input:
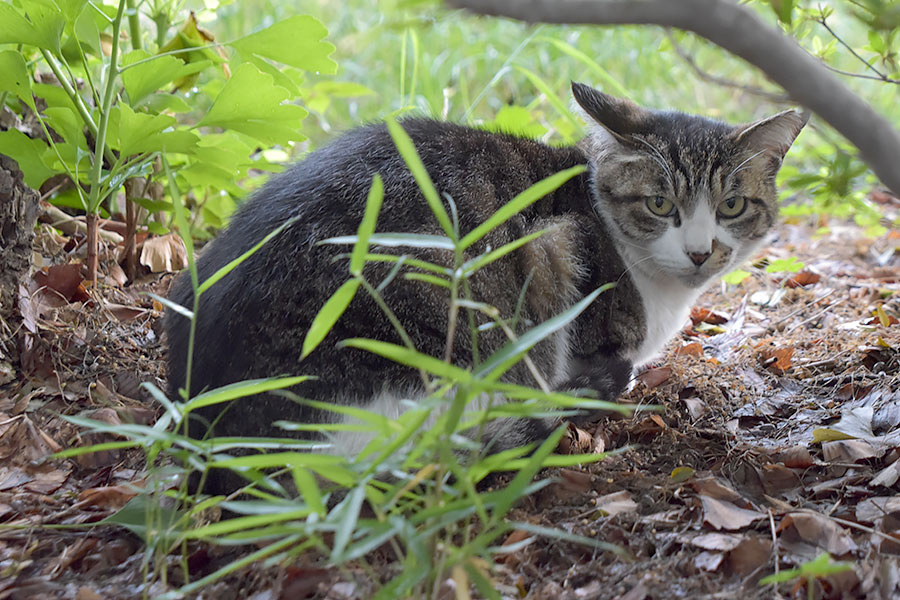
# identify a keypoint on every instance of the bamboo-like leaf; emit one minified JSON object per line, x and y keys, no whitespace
{"x":410,"y":358}
{"x":228,"y":268}
{"x":394,"y":240}
{"x":602,"y":74}
{"x":367,"y":226}
{"x":471,"y":266}
{"x":503,"y":359}
{"x":408,"y":151}
{"x":347,"y":513}
{"x":551,"y":96}
{"x":520,"y":202}
{"x":428,"y":279}
{"x":240,"y":390}
{"x":328,"y":315}
{"x":514,"y":491}
{"x":309,"y":490}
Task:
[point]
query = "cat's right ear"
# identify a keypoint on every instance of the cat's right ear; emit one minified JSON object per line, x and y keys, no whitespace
{"x":621,"y":117}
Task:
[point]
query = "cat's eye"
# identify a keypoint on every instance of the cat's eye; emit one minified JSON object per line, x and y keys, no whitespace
{"x":660,"y":206}
{"x":733,"y":207}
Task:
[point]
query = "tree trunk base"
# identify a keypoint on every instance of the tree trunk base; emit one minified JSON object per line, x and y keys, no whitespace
{"x":18,"y":213}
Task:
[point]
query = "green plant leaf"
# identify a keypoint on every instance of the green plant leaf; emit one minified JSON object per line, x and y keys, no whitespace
{"x":395,"y":240}
{"x":791,"y":265}
{"x":228,"y":268}
{"x":295,"y":41}
{"x":408,"y":151}
{"x":141,"y":80}
{"x":735,"y":277}
{"x":367,"y":226}
{"x":516,"y":488}
{"x":516,"y":120}
{"x":551,"y":96}
{"x":328,"y":315}
{"x":148,"y":520}
{"x":14,"y":77}
{"x":16,"y":29}
{"x":252,"y":104}
{"x":137,"y":133}
{"x":509,"y":354}
{"x":240,"y":390}
{"x":28,"y":153}
{"x":611,"y":83}
{"x":347,"y":514}
{"x":410,"y":358}
{"x":471,"y":266}
{"x":520,"y":202}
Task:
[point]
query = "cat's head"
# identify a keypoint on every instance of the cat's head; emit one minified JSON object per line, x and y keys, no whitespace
{"x":686,"y":197}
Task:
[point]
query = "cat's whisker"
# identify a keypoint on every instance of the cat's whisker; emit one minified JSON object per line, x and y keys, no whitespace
{"x":741,"y":166}
{"x":658,"y":158}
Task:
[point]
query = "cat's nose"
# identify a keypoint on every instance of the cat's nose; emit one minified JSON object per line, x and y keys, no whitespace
{"x":698,"y":258}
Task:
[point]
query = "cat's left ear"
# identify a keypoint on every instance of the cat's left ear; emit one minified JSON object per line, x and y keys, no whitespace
{"x":773,"y":135}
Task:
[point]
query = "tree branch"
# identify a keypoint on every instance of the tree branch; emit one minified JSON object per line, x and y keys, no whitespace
{"x":739,"y":31}
{"x":722,"y":81}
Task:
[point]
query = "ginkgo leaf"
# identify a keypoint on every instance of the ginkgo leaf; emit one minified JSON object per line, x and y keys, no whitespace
{"x":252,"y":104}
{"x":295,"y":41}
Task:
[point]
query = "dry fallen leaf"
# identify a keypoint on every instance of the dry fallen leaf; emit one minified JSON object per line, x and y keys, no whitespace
{"x":616,"y":503}
{"x":716,"y":541}
{"x":691,"y":349}
{"x":112,"y":496}
{"x":721,"y":514}
{"x":795,"y":457}
{"x":63,"y":281}
{"x":750,"y":554}
{"x":164,"y":254}
{"x":821,"y":531}
{"x":848,"y":451}
{"x":777,"y":360}
{"x":709,"y":561}
{"x":705,"y":315}
{"x":871,"y":510}
{"x":655,"y":377}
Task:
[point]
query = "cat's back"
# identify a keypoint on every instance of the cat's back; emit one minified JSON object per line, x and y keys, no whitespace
{"x":269,"y":300}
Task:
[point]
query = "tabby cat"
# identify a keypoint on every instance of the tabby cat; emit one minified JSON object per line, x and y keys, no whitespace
{"x":668,"y":203}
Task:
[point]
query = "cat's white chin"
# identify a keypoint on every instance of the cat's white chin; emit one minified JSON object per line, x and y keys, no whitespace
{"x":697,"y":281}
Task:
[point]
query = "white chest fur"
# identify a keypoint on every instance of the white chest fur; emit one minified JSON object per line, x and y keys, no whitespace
{"x":667,"y":304}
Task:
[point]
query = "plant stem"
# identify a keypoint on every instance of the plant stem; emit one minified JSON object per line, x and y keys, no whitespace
{"x":96,"y":197}
{"x":76,"y":99}
{"x":134,"y":26}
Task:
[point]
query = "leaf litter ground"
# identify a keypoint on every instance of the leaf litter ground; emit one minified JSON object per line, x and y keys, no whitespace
{"x":778,"y":440}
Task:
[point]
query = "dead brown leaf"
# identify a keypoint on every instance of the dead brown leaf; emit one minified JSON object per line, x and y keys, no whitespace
{"x":821,"y":531}
{"x":164,"y":254}
{"x":750,"y":554}
{"x":113,"y":496}
{"x":705,"y":315}
{"x":871,"y":510}
{"x":709,"y":561}
{"x":616,"y":503}
{"x":716,"y":541}
{"x":777,"y":479}
{"x":655,"y":377}
{"x":722,"y":514}
{"x":848,"y":451}
{"x":795,"y":457}
{"x":691,"y":349}
{"x":64,"y":281}
{"x":777,"y":360}
{"x":802,"y":279}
